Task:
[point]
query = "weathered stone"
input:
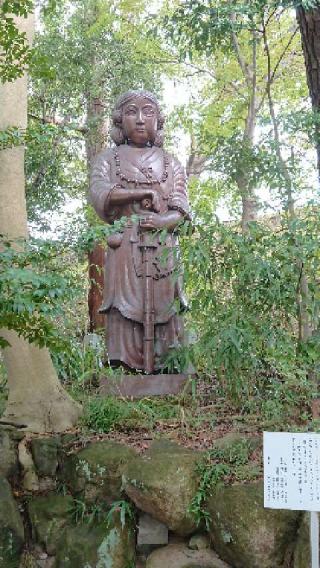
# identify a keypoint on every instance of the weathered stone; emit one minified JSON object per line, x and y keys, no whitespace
{"x":96,"y":471}
{"x":11,"y":528}
{"x":45,"y":455}
{"x":97,"y":546}
{"x":8,"y":454}
{"x":30,"y":481}
{"x":163,"y":483}
{"x":244,"y":533}
{"x":49,"y":515}
{"x":199,"y":542}
{"x":151,"y":531}
{"x":141,"y":386}
{"x":180,"y":556}
{"x":151,"y":534}
{"x":302,"y":554}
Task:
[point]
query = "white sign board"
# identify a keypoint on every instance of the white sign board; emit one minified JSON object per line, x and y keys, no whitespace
{"x":291,"y":471}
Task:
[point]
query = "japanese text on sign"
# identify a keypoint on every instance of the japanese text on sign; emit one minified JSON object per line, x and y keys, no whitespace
{"x":291,"y":471}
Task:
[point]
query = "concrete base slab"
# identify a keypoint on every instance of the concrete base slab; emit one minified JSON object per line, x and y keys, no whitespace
{"x":140,"y":386}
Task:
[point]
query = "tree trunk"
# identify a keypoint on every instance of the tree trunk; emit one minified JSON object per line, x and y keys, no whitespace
{"x":196,"y":162}
{"x":36,"y":401}
{"x":96,"y":277}
{"x":97,"y":134}
{"x":309,"y":23}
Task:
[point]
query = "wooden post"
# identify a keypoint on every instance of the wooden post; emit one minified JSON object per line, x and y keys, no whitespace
{"x":147,"y":246}
{"x":314,"y":539}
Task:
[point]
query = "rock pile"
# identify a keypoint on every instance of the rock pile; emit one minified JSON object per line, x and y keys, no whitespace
{"x":105,"y":506}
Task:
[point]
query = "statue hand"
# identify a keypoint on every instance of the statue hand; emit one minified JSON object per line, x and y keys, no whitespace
{"x":152,"y":221}
{"x":155,"y":200}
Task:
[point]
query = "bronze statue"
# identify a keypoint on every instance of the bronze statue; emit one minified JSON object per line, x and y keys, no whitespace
{"x":137,"y":179}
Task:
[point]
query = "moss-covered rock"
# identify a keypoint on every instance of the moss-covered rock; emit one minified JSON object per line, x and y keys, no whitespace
{"x":8,"y":454}
{"x":49,"y":515}
{"x":302,"y":554}
{"x":245,"y":534}
{"x":163,"y":483}
{"x":11,"y":528}
{"x":45,"y":455}
{"x":97,"y":546}
{"x":96,"y":471}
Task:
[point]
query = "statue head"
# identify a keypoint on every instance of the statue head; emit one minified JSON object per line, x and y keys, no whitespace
{"x":125,"y":118}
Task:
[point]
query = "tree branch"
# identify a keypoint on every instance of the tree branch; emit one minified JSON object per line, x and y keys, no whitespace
{"x":272,"y":75}
{"x":240,"y":58}
{"x":56,"y":122}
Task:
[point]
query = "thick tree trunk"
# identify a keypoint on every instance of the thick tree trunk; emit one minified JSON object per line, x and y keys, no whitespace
{"x":36,"y":401}
{"x":309,"y":23}
{"x":97,"y":134}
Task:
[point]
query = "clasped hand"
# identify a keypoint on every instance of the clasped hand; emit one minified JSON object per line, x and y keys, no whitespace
{"x":153,"y":221}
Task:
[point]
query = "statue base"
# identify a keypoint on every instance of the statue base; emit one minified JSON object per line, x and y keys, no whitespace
{"x":140,"y":386}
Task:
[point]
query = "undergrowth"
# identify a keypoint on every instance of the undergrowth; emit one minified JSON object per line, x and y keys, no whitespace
{"x":106,"y":414}
{"x":230,"y":463}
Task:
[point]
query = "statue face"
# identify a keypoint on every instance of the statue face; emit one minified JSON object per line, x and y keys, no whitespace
{"x":139,"y":121}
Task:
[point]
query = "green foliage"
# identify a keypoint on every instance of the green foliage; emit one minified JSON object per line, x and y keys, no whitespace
{"x":218,"y":465}
{"x":33,"y":286}
{"x":14,"y":47}
{"x":244,"y":306}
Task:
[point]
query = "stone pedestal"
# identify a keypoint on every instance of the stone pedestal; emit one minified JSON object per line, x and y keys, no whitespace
{"x":140,"y":386}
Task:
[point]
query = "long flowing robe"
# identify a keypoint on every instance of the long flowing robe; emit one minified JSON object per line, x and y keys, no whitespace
{"x":124,"y":286}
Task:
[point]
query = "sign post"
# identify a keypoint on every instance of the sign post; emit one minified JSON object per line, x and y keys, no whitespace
{"x":292,"y":477}
{"x":314,"y":539}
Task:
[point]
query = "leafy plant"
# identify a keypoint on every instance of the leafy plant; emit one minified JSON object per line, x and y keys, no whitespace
{"x":83,"y":512}
{"x":125,"y":511}
{"x":15,"y":50}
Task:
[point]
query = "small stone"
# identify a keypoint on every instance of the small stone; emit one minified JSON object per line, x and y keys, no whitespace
{"x":199,"y":542}
{"x":180,"y":556}
{"x":151,"y":531}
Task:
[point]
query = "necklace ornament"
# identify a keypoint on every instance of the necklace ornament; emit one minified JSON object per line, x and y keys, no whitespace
{"x":147,"y":172}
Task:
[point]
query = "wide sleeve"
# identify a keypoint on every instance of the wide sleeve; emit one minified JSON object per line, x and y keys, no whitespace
{"x":101,"y":185}
{"x":178,"y":199}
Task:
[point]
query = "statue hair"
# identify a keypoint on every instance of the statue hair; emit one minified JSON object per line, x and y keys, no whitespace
{"x":117,"y":133}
